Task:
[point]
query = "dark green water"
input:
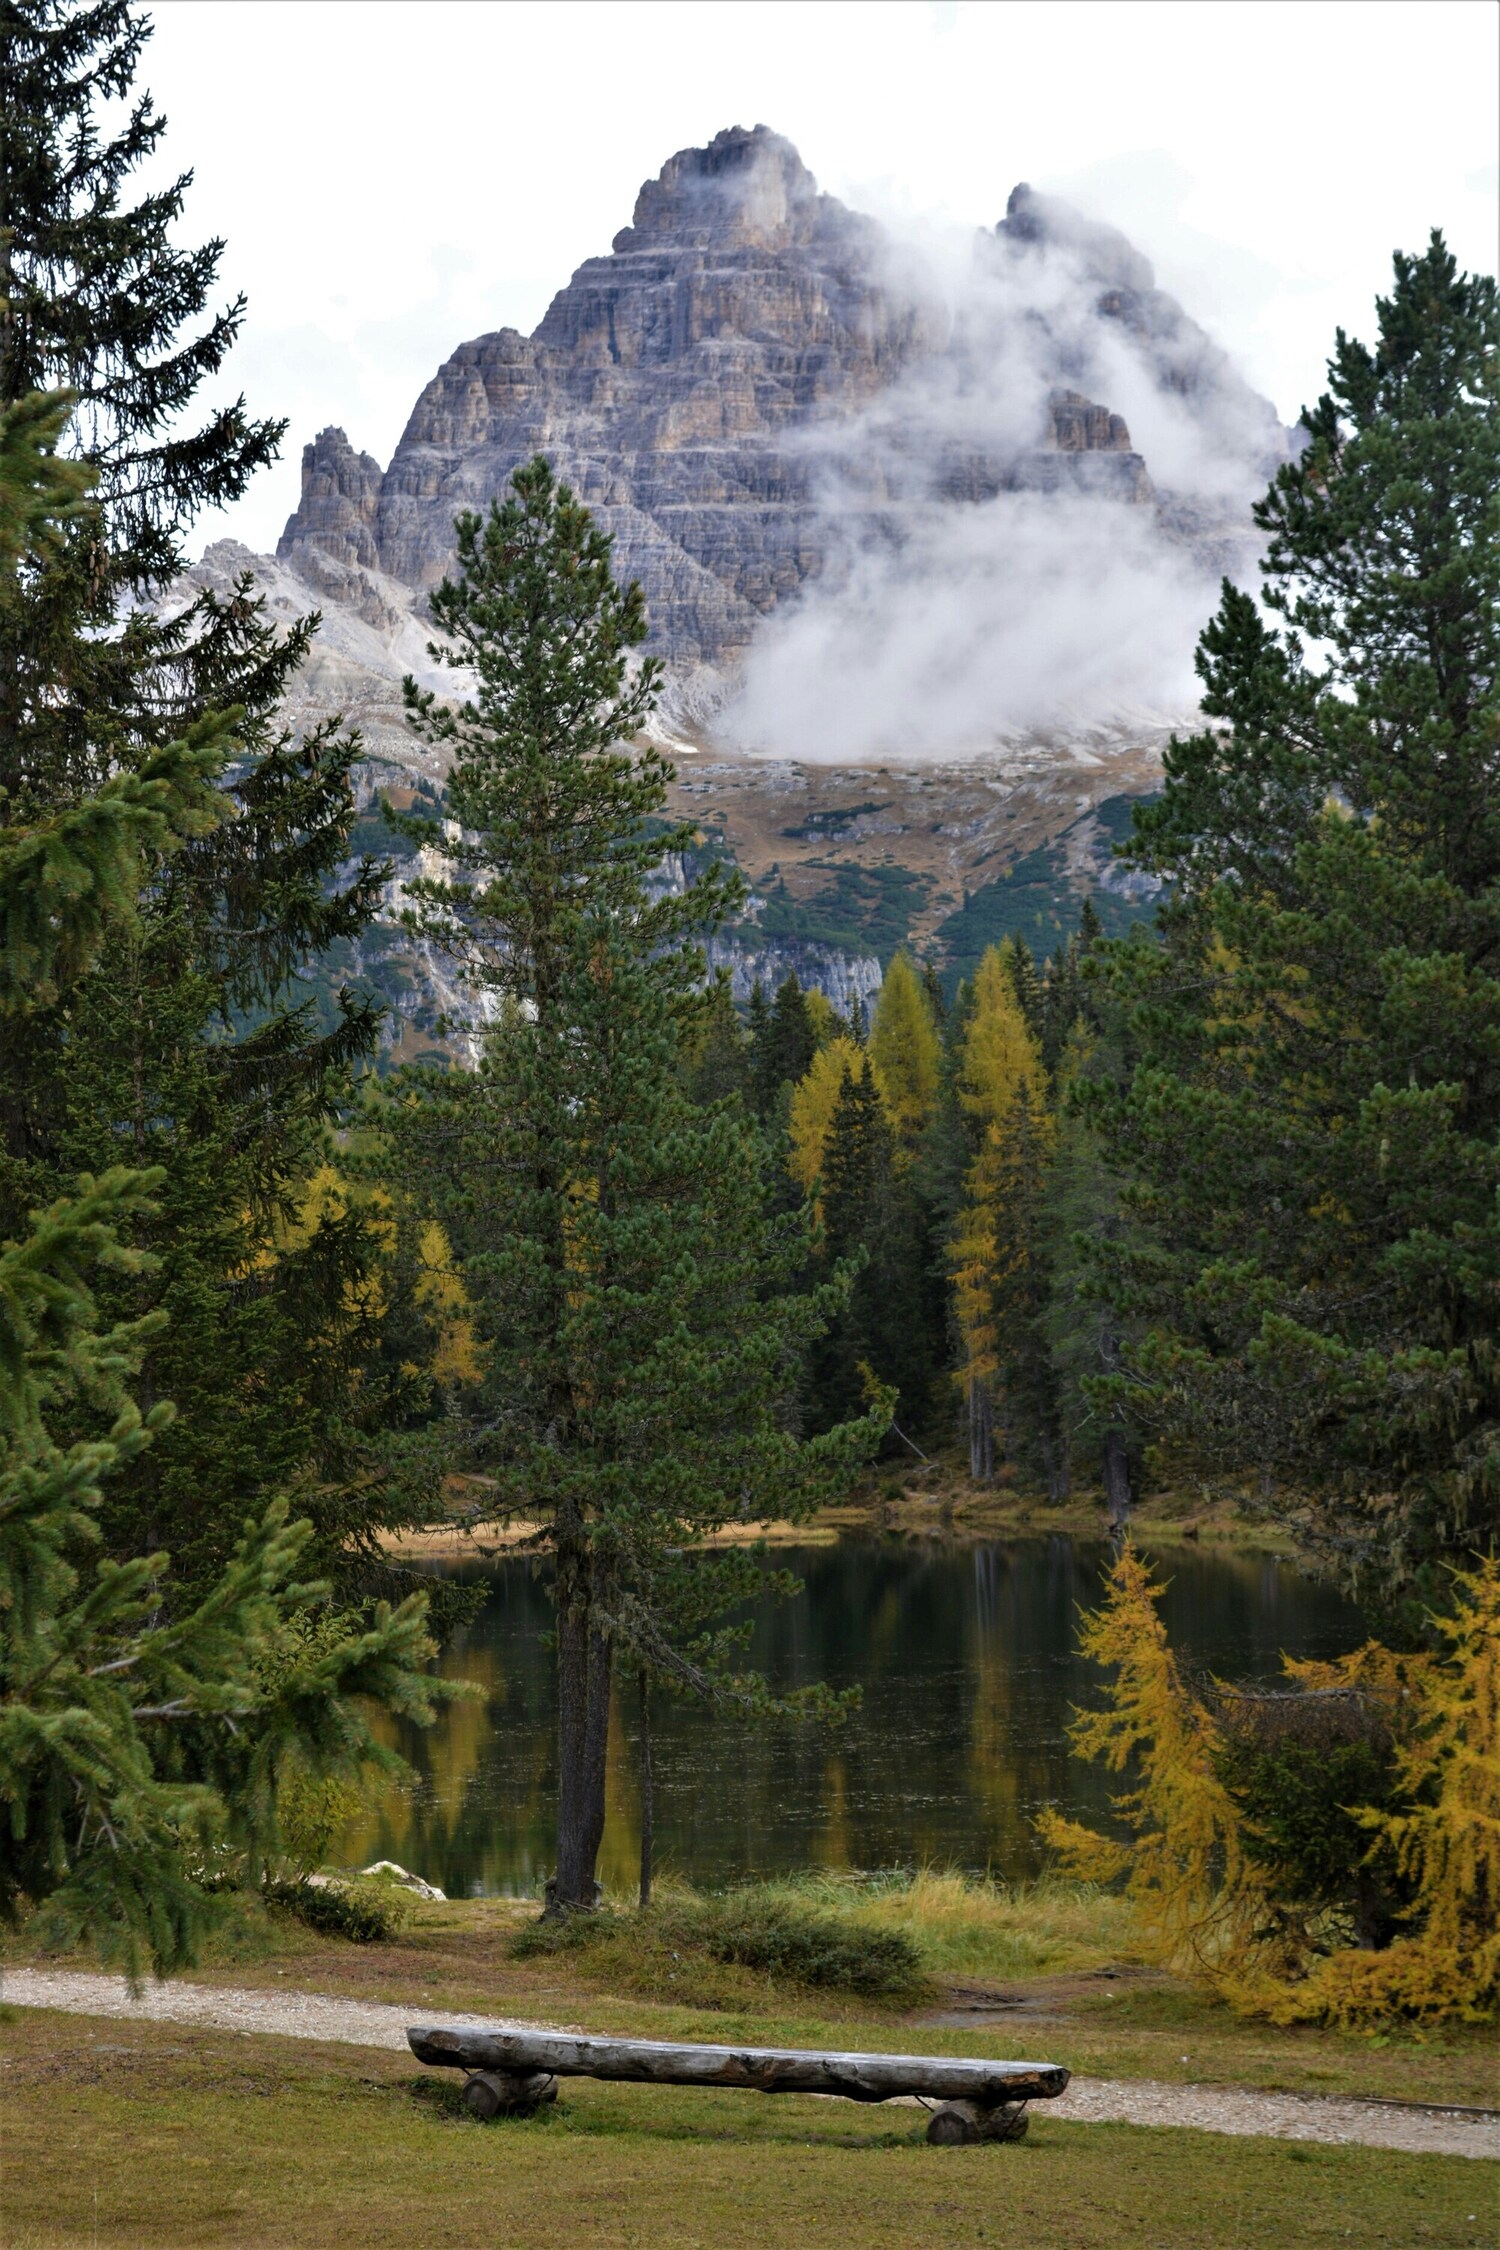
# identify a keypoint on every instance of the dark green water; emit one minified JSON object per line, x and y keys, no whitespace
{"x":969,"y":1664}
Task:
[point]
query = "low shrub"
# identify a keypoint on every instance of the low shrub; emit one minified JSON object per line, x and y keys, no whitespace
{"x":1306,"y":1771}
{"x":800,"y":1948}
{"x":966,"y":1925}
{"x":671,"y":1946}
{"x":343,"y":1910}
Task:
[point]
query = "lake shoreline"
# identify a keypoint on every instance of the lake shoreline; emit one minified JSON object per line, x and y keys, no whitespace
{"x":945,"y":1511}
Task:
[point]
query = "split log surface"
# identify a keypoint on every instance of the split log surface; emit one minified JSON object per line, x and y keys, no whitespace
{"x":765,"y":2070}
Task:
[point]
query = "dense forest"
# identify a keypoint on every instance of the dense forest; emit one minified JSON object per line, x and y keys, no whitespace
{"x":1215,"y":1204}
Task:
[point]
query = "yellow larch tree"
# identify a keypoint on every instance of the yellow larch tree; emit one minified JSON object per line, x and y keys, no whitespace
{"x":907,"y":1053}
{"x":814,"y":1100}
{"x":1184,"y":1870}
{"x":1202,"y":1901}
{"x":1445,"y":1832}
{"x":1000,"y":1072}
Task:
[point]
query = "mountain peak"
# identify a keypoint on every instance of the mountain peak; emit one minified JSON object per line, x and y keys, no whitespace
{"x":747,"y":187}
{"x":1104,"y":253}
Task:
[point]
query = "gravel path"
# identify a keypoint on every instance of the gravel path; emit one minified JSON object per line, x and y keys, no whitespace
{"x":368,"y":2023}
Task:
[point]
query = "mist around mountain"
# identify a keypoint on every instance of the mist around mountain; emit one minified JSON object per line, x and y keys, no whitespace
{"x":927,"y":527}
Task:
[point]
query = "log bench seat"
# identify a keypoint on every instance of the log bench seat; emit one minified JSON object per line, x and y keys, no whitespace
{"x":512,"y":2073}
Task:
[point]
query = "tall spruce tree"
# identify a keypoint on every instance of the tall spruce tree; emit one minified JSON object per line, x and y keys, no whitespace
{"x":139,"y":1735}
{"x":185,"y":1044}
{"x":784,"y":1041}
{"x":870,"y":1217}
{"x":1311,"y":1131}
{"x":640,"y":1342}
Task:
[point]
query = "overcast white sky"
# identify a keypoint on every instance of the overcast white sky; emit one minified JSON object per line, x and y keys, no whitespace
{"x":393,"y":176}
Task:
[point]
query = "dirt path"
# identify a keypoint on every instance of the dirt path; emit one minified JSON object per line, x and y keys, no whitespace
{"x":367,"y":2023}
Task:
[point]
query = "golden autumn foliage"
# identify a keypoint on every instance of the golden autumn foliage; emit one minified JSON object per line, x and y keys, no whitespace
{"x":437,"y":1288}
{"x":1446,"y":1836}
{"x":1200,"y":1899}
{"x":1184,"y":1866}
{"x":1000,"y":1069}
{"x":824,"y":1017}
{"x":814,"y":1100}
{"x":999,"y":1052}
{"x":906,"y":1053}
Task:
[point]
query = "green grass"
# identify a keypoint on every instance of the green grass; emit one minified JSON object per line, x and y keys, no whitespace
{"x":1048,"y":1970}
{"x":960,"y":1927}
{"x":160,"y":2137}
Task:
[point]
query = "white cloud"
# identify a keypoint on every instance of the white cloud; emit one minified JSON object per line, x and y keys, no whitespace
{"x":399,"y":177}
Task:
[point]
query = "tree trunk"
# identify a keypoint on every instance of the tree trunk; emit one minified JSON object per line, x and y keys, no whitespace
{"x":577,"y":1836}
{"x":647,"y":1839}
{"x":1116,"y":1456}
{"x":596,"y":1754}
{"x":1116,"y":1480}
{"x":981,"y":1433}
{"x":860,"y":2077}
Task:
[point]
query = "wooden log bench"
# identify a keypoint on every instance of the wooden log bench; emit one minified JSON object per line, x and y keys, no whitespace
{"x":512,"y":2073}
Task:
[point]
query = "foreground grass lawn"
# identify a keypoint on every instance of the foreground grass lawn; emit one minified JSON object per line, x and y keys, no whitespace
{"x":154,"y":2137}
{"x":1101,"y":2021}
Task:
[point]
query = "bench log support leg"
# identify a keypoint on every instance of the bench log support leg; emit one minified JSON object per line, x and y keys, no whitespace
{"x":958,"y":2123}
{"x":508,"y":2093}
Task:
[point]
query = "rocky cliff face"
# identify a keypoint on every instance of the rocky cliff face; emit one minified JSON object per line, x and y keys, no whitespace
{"x":705,"y":385}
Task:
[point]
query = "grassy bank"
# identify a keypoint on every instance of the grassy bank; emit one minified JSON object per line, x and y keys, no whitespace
{"x":1048,"y":1971}
{"x":158,"y":2137}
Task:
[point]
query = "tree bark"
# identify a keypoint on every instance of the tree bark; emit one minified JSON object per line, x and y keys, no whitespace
{"x":766,"y":2070}
{"x":596,"y":1753}
{"x":981,"y":1433}
{"x":1116,"y":1454}
{"x":1116,"y":1480}
{"x":647,"y":1838}
{"x":577,"y":1842}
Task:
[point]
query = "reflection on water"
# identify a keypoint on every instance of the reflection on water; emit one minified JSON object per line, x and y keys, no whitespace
{"x":969,"y":1664}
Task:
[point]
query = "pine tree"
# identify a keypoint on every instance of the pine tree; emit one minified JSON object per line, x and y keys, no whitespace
{"x":783,"y":1046}
{"x":1021,"y":1285}
{"x":638,"y":1338}
{"x":1082,"y":1223}
{"x":1027,"y":979}
{"x":183,"y":1045}
{"x":717,"y":1062}
{"x":871,"y":1217}
{"x":1312,"y":1128}
{"x":139,"y":1735}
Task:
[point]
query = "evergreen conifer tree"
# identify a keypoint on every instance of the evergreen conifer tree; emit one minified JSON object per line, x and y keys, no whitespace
{"x":871,"y":1218}
{"x":139,"y":1735}
{"x":1311,"y":1130}
{"x":784,"y":1044}
{"x":182,"y":1046}
{"x":639,"y":1341}
{"x":717,"y":1061}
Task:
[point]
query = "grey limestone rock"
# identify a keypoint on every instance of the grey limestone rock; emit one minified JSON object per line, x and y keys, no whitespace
{"x":690,"y":383}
